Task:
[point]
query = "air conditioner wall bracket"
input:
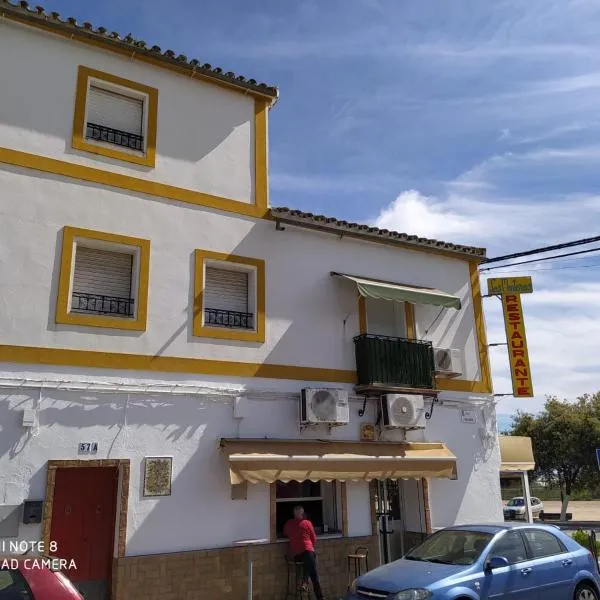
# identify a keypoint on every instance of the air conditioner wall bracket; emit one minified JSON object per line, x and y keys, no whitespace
{"x":429,"y":413}
{"x":361,"y":411}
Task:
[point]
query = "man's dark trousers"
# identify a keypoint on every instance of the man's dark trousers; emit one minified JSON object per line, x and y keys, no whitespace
{"x":310,"y":570}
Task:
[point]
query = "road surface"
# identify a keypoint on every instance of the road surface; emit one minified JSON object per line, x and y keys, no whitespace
{"x":581,"y":510}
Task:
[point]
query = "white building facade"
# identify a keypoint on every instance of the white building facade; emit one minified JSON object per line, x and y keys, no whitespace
{"x":159,"y":323}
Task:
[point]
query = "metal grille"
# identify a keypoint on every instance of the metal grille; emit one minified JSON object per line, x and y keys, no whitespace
{"x":394,"y":361}
{"x":373,"y":594}
{"x":104,"y":305}
{"x":108,"y":135}
{"x":216,"y":317}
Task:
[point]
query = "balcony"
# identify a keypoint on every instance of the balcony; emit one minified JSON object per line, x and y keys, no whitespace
{"x":108,"y":135}
{"x":215,"y":317}
{"x":390,"y":362}
{"x":102,"y":305}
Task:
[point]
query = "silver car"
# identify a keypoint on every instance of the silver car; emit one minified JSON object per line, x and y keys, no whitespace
{"x":515,"y":508}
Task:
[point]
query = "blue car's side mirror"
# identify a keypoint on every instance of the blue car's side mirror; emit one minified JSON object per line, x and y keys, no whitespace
{"x":496,"y":562}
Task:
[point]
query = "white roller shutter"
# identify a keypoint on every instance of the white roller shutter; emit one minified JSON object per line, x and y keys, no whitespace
{"x":117,"y":111}
{"x":226,"y":290}
{"x":102,"y":272}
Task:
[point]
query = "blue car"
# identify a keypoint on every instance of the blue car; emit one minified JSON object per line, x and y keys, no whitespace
{"x":483,"y":562}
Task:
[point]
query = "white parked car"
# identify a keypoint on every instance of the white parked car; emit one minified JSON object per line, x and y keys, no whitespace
{"x":515,"y":508}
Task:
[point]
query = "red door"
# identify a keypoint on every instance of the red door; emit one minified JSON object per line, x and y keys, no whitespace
{"x":83,"y":520}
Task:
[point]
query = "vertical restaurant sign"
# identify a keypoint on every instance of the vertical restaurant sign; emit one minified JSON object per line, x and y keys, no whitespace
{"x":517,"y":346}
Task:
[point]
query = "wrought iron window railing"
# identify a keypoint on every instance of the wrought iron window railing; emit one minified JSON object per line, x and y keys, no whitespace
{"x":394,"y":361}
{"x":102,"y":305}
{"x":216,"y":317}
{"x":101,"y":133}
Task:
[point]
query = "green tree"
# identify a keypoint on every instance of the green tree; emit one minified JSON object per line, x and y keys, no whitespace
{"x":564,"y":436}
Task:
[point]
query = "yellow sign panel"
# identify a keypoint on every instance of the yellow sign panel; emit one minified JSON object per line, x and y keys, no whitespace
{"x":510,"y":285}
{"x":518,"y":355}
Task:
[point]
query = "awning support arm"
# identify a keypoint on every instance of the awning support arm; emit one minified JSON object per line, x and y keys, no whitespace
{"x":429,"y":413}
{"x":361,"y":411}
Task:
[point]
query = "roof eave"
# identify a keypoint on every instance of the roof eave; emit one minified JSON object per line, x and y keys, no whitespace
{"x":70,"y":29}
{"x":332,"y":227}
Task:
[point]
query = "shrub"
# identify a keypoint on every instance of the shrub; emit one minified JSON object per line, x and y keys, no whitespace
{"x":583,"y":539}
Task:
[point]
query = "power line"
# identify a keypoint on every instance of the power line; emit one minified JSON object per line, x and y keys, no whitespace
{"x":545,"y":249}
{"x":534,"y":260}
{"x":551,"y":268}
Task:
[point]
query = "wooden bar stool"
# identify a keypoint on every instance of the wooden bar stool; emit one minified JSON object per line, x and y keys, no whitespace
{"x":356,"y":561}
{"x":295,"y":577}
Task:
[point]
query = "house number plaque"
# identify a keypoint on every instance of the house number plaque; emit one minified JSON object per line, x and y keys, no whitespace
{"x":88,"y":447}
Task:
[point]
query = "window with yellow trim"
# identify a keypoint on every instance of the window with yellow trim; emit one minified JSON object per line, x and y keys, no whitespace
{"x":229,"y":297}
{"x":104,"y":280}
{"x":115,"y":117}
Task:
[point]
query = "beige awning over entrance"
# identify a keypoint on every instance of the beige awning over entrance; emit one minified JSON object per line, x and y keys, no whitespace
{"x":267,"y":461}
{"x":516,"y":454}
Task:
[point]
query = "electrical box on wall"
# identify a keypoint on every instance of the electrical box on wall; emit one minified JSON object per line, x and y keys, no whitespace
{"x":241,"y":410}
{"x":29,"y":417}
{"x":32,"y":511}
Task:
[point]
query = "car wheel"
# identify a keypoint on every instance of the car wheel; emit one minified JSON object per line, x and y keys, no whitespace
{"x":585,"y":592}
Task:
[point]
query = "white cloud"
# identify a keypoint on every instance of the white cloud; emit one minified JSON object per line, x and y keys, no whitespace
{"x":579,"y":296}
{"x":563,"y":350}
{"x":497,"y":224}
{"x":411,"y":94}
{"x":415,"y":213}
{"x":493,"y":51}
{"x":562,"y":327}
{"x":496,"y":171}
{"x":556,"y":132}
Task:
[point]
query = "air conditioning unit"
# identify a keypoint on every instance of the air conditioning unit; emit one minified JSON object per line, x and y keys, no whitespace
{"x":403,"y":411}
{"x":447,"y":362}
{"x":324,"y":406}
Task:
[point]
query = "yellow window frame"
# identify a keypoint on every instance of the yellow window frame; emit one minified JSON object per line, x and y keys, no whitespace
{"x":79,"y":142}
{"x":206,"y":331}
{"x":64,"y":317}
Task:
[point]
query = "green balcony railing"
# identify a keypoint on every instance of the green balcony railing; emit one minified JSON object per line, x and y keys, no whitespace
{"x":393,"y":361}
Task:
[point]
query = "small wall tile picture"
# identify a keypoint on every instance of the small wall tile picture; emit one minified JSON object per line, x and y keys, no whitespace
{"x":157,"y":475}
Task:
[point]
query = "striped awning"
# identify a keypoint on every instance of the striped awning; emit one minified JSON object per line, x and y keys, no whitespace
{"x":267,"y":461}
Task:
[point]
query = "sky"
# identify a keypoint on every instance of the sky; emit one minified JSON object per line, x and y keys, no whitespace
{"x":468,"y":121}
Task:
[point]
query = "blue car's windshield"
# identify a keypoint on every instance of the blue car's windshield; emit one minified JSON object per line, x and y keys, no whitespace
{"x":451,"y":547}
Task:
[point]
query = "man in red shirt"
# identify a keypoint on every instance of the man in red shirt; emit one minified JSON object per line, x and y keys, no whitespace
{"x":301,"y":534}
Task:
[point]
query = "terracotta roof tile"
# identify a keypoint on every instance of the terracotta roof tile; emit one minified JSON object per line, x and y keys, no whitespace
{"x":297,"y":217}
{"x":52,"y":20}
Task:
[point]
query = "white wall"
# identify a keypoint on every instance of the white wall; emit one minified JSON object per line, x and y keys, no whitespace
{"x":205,"y":141}
{"x":205,"y":134}
{"x":188,"y":428}
{"x":449,"y":328}
{"x":475,"y":496}
{"x":200,"y":512}
{"x":359,"y":508}
{"x":312,"y":317}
